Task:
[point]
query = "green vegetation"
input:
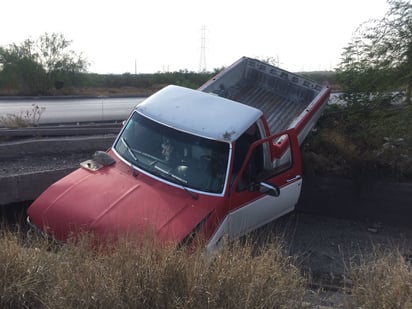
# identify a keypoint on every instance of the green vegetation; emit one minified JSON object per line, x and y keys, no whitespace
{"x":371,"y":134}
{"x":378,"y":60}
{"x":362,"y":141}
{"x":38,"y":67}
{"x":146,"y":82}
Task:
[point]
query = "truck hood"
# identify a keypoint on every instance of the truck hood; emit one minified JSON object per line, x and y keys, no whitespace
{"x":112,"y":203}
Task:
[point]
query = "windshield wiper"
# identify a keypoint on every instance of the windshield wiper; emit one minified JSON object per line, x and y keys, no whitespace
{"x":182,"y":181}
{"x":129,"y":149}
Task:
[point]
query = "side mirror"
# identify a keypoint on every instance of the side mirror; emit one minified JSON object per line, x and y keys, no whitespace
{"x":269,"y":189}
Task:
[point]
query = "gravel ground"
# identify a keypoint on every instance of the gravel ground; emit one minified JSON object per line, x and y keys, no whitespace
{"x":327,"y":248}
{"x":32,"y":164}
{"x":327,"y":245}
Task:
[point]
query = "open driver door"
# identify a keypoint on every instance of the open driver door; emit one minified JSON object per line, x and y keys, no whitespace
{"x":267,"y":186}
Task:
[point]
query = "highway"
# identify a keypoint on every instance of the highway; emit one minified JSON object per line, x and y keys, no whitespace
{"x":71,"y":110}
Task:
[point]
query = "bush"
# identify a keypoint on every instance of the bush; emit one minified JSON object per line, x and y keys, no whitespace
{"x":356,"y":140}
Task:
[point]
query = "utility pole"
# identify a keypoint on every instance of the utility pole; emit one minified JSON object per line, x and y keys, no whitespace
{"x":202,"y":62}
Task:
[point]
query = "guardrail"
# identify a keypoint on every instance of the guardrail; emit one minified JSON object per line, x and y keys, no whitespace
{"x":62,"y":130}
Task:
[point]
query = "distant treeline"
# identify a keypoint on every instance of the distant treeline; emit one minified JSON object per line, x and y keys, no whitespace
{"x":65,"y":84}
{"x":74,"y":81}
{"x":181,"y":78}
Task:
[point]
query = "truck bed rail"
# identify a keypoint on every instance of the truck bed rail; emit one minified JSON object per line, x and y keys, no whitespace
{"x":283,"y":97}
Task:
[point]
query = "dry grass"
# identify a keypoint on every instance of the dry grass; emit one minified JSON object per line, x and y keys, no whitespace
{"x":24,"y":272}
{"x":146,"y":277}
{"x":13,"y":121}
{"x":40,"y":275}
{"x":383,"y":280}
{"x":25,"y":119}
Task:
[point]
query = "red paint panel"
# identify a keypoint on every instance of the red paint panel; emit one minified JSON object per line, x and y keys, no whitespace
{"x":112,"y":202}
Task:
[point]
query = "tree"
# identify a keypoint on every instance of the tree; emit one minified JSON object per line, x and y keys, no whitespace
{"x":58,"y":62}
{"x":20,"y":70}
{"x":35,"y":67}
{"x":379,"y":57}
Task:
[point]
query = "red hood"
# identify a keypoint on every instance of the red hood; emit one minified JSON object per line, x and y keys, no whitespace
{"x":113,"y":202}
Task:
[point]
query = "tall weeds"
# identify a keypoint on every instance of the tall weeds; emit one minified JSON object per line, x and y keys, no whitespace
{"x":383,"y":280}
{"x":79,"y":275}
{"x":75,"y":276}
{"x":26,"y":273}
{"x":27,"y":118}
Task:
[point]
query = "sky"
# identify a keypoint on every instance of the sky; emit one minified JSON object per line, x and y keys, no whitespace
{"x":136,"y":36}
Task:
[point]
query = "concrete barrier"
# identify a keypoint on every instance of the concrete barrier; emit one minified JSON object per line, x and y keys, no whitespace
{"x":370,"y":200}
{"x":44,"y":146}
{"x":27,"y":187}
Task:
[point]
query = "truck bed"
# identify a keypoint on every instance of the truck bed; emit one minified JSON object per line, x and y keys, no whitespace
{"x":283,"y":97}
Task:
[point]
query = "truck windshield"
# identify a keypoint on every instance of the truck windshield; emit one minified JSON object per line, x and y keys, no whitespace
{"x":185,"y":159}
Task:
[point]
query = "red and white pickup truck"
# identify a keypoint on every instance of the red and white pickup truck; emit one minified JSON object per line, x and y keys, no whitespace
{"x":216,"y":163}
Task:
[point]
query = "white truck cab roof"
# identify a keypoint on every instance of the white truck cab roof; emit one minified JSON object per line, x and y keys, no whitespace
{"x":199,"y":113}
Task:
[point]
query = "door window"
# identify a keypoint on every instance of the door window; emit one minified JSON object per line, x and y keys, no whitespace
{"x":265,"y":161}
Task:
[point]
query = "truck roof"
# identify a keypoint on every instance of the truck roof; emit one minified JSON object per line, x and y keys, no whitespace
{"x":199,"y":113}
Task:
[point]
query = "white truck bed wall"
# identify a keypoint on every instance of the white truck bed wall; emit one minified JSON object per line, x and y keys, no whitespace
{"x":283,"y":97}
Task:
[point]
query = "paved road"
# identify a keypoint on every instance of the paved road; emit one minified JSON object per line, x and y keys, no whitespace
{"x":72,"y":110}
{"x":79,"y":110}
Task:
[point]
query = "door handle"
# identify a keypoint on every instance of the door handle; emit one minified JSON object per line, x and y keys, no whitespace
{"x":297,"y":177}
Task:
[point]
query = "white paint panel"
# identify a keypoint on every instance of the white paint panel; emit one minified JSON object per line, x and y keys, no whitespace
{"x":256,"y":214}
